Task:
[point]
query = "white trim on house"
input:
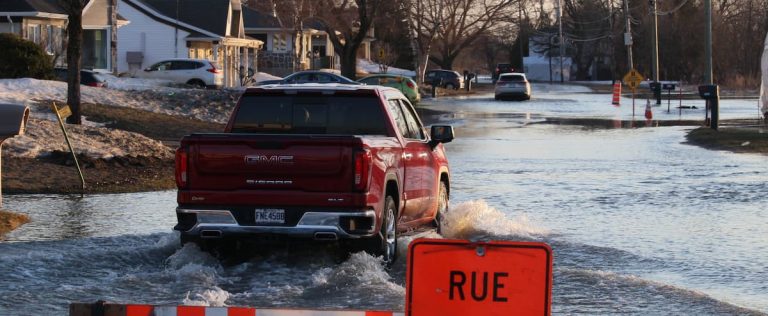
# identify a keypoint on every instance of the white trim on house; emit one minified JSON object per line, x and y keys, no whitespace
{"x":169,"y":20}
{"x":36,"y":14}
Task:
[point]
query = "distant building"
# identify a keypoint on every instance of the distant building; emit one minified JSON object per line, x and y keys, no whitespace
{"x":288,"y":48}
{"x":205,"y":29}
{"x":44,"y":22}
{"x":543,"y":61}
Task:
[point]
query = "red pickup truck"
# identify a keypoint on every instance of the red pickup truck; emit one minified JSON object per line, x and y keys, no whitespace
{"x":323,"y":162}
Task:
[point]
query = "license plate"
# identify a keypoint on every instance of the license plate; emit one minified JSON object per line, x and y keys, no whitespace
{"x":269,"y":216}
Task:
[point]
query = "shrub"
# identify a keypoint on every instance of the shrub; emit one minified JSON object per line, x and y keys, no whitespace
{"x":23,"y":59}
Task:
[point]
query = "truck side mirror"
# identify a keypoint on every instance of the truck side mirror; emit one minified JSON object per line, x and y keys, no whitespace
{"x":13,"y":120}
{"x":440,"y":134}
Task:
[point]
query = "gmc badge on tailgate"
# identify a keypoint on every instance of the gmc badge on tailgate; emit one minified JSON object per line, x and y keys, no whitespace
{"x":268,"y":160}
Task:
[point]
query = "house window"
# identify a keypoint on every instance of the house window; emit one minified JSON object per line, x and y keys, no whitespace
{"x":279,"y":43}
{"x":33,"y":33}
{"x":53,"y":39}
{"x":95,"y":49}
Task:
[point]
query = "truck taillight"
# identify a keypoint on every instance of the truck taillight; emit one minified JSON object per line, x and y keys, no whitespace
{"x":410,"y":84}
{"x":181,"y":168}
{"x":362,"y":169}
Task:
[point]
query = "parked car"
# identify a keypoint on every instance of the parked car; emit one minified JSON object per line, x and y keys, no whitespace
{"x":502,"y":68}
{"x":512,"y":85}
{"x":201,"y":73}
{"x":87,"y":77}
{"x":406,"y":85}
{"x":329,"y":163}
{"x":311,"y":76}
{"x":448,"y":79}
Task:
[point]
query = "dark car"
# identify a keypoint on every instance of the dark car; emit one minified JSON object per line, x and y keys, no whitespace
{"x":87,"y":77}
{"x":447,"y":79}
{"x":502,"y":69}
{"x":311,"y":76}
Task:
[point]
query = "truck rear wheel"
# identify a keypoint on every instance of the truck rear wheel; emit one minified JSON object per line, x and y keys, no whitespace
{"x":384,"y":244}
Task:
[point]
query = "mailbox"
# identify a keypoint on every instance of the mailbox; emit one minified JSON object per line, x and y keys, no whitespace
{"x":13,"y":120}
{"x":668,"y":86}
{"x":709,"y":91}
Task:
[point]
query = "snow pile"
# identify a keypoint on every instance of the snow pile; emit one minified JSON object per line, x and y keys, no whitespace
{"x":262,"y":76}
{"x":135,"y":84}
{"x":43,"y":137}
{"x":367,"y":66}
{"x":204,"y":105}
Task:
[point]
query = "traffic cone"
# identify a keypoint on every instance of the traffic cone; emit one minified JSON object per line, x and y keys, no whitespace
{"x":616,"y":93}
{"x":648,"y":112}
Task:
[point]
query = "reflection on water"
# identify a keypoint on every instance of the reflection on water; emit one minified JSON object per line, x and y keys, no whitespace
{"x":57,"y":217}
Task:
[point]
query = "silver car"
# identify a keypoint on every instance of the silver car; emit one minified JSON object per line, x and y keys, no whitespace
{"x":513,"y":84}
{"x":200,"y":73}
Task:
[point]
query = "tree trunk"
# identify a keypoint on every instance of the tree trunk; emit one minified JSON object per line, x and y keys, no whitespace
{"x":74,"y":50}
{"x":349,"y":62}
{"x":113,"y":34}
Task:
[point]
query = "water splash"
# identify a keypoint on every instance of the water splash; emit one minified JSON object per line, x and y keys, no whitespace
{"x":474,"y":219}
{"x":213,"y":297}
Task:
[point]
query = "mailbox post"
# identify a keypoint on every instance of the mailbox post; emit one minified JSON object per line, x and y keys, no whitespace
{"x":13,"y":121}
{"x":711,"y":93}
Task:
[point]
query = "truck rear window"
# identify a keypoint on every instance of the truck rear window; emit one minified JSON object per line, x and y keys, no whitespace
{"x":291,"y":114}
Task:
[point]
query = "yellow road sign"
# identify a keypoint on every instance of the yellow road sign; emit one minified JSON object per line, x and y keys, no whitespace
{"x":633,"y":79}
{"x":63,"y":111}
{"x":381,"y":53}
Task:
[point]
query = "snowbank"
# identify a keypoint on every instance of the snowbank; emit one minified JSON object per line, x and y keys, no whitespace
{"x":43,"y":137}
{"x":367,"y":66}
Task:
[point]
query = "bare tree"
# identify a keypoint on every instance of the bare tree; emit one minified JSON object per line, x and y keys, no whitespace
{"x":74,"y":10}
{"x":454,"y":25}
{"x":347,"y":23}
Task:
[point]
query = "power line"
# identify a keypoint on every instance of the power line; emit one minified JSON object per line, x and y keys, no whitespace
{"x":673,"y":10}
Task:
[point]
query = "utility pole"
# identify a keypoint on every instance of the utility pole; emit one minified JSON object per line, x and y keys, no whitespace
{"x":708,"y":41}
{"x":655,"y":53}
{"x":628,"y":36}
{"x":562,"y":44}
{"x":520,"y":35}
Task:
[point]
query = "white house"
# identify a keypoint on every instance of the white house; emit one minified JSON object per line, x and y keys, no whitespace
{"x":540,"y":66}
{"x":205,"y":29}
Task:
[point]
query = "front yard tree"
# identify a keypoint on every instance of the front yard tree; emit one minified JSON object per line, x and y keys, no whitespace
{"x":74,"y":9}
{"x":347,"y":23}
{"x":455,"y":25}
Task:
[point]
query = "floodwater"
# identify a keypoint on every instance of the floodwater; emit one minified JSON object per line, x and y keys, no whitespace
{"x":639,"y":223}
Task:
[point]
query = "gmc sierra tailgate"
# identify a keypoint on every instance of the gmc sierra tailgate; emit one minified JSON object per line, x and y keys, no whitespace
{"x":226,"y":162}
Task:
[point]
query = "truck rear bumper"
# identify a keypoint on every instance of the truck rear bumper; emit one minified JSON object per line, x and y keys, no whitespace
{"x":327,"y":226}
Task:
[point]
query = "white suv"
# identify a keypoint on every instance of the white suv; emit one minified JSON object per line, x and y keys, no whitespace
{"x":200,"y":73}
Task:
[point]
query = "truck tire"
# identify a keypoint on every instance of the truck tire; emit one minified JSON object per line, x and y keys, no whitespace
{"x":442,"y":207}
{"x":384,"y":244}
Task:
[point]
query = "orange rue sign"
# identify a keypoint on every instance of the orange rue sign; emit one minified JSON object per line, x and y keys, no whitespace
{"x":459,"y":277}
